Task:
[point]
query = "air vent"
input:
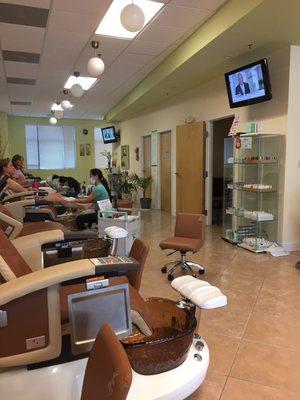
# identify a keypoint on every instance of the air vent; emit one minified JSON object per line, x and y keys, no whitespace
{"x":20,"y":103}
{"x":20,"y":56}
{"x":23,"y":15}
{"x":21,"y":81}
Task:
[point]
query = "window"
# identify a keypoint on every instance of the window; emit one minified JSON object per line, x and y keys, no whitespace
{"x":50,"y":147}
{"x":100,"y":160}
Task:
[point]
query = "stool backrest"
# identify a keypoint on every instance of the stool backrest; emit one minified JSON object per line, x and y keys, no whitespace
{"x":139,"y":251}
{"x":190,"y":226}
{"x":108,"y":373}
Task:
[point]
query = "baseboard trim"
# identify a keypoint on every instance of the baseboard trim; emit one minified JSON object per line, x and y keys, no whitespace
{"x":292,"y":246}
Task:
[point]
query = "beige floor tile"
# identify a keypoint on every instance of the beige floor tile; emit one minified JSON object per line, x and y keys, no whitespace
{"x":268,"y":365}
{"x":211,"y":388}
{"x":222,"y":351}
{"x":224,"y":322}
{"x":236,"y":389}
{"x":276,"y":329}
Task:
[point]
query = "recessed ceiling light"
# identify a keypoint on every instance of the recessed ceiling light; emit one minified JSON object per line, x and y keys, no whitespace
{"x":111,"y":23}
{"x":84,"y":81}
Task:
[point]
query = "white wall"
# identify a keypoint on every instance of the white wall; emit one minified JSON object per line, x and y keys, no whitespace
{"x":209,"y":102}
{"x":291,"y":210}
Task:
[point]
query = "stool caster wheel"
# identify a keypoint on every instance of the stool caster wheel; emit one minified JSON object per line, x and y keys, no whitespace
{"x":164,"y":270}
{"x":170,"y":277}
{"x":201,"y":271}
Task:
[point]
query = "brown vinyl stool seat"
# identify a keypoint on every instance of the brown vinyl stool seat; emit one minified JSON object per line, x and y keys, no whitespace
{"x":188,"y":237}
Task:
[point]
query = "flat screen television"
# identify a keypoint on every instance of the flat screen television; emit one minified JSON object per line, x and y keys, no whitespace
{"x":249,"y":84}
{"x":109,"y":134}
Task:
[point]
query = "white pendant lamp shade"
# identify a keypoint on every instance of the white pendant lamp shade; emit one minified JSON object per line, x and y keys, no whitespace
{"x":53,"y":121}
{"x":58,"y":114}
{"x":76,"y":90}
{"x":132,"y":18}
{"x":66,"y":105}
{"x":95,"y":66}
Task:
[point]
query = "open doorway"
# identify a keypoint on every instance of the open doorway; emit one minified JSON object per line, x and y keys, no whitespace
{"x":220,"y":129}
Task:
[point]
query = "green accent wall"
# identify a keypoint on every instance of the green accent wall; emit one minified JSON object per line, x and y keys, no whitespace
{"x":4,"y":147}
{"x":17,"y":145}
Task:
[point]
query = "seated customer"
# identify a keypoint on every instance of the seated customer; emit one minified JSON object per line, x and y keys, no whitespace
{"x":70,"y":186}
{"x":99,"y":192}
{"x":6,"y":168}
{"x":19,"y":173}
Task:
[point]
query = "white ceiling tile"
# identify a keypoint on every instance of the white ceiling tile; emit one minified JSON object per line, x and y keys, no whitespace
{"x":21,"y":32}
{"x":158,"y":33}
{"x":30,"y":3}
{"x":181,"y":17}
{"x":111,"y":44}
{"x":134,"y":59}
{"x":73,"y":22}
{"x":147,"y":47}
{"x":82,"y":7}
{"x":21,"y":92}
{"x":22,"y":110}
{"x":58,"y":39}
{"x":29,"y":46}
{"x":204,"y":4}
{"x":21,"y":70}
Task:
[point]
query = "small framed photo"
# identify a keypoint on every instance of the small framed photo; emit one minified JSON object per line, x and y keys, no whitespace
{"x":88,"y":149}
{"x":82,"y":150}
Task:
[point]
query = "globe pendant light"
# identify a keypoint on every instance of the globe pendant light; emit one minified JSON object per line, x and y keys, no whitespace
{"x":95,"y":65}
{"x":76,"y":90}
{"x":58,"y":114}
{"x":66,"y":105}
{"x":132,"y":18}
{"x":53,"y":121}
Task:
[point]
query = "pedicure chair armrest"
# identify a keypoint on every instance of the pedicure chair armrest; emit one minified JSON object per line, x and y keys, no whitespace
{"x":21,"y":195}
{"x":42,"y":279}
{"x":30,"y":246}
{"x":80,"y":235}
{"x":17,"y":208}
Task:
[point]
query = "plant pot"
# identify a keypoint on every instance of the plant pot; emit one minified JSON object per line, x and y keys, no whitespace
{"x":145,"y":202}
{"x":126,"y":196}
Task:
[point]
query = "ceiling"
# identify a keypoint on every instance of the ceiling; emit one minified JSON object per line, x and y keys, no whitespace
{"x":45,"y":41}
{"x":210,"y":52}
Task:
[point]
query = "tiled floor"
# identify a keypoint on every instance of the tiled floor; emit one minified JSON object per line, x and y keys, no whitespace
{"x":254,"y":341}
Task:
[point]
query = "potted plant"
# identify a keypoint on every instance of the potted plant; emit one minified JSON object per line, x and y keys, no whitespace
{"x":143,"y":183}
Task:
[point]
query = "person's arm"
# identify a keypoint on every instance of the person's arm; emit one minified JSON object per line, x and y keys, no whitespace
{"x":15,"y":187}
{"x":89,"y":199}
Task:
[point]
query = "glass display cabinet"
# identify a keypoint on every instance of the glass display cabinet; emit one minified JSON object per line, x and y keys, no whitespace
{"x":251,"y":180}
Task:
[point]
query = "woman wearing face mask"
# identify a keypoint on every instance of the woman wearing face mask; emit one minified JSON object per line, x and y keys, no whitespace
{"x":99,"y":192}
{"x":6,"y":168}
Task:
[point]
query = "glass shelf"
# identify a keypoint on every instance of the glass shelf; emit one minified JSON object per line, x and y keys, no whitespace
{"x":250,"y":167}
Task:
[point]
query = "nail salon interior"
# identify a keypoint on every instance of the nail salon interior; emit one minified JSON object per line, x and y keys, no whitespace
{"x":149,"y":200}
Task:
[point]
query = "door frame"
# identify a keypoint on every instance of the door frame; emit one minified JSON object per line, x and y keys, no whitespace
{"x":209,"y":165}
{"x":155,"y":165}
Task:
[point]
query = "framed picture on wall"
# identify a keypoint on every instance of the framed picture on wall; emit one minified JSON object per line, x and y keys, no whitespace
{"x":82,"y":150}
{"x":88,"y":149}
{"x":125,"y":157}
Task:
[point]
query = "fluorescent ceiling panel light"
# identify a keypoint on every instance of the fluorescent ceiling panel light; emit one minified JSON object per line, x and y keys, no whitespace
{"x":111,"y":24}
{"x":84,"y":81}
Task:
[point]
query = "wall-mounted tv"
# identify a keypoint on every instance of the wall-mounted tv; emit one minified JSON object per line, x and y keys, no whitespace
{"x":249,"y":84}
{"x":109,"y":134}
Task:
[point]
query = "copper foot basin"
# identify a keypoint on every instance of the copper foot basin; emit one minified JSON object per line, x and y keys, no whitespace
{"x":168,"y":346}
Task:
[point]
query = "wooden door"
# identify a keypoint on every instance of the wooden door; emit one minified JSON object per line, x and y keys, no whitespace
{"x":147,"y":160}
{"x":190,"y":167}
{"x":165,"y":171}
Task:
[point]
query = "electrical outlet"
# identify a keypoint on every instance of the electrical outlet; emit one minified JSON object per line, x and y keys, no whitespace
{"x":35,"y":343}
